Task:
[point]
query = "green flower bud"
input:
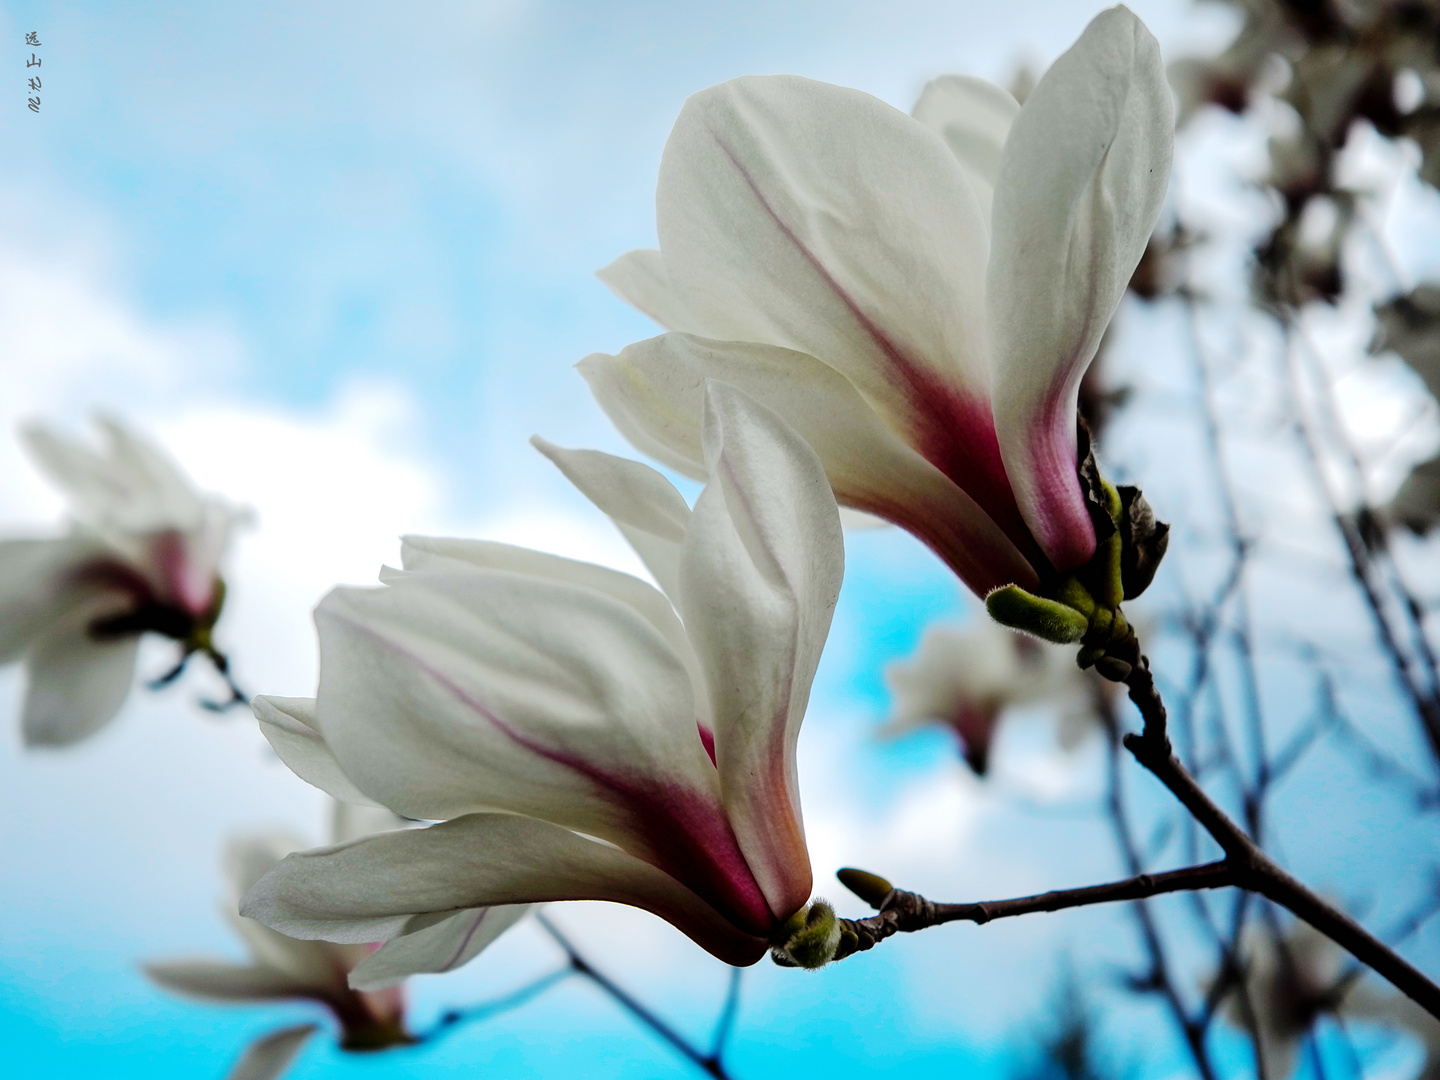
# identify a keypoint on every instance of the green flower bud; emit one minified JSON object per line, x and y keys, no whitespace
{"x":872,"y":888}
{"x":811,"y":937}
{"x":1050,"y":620}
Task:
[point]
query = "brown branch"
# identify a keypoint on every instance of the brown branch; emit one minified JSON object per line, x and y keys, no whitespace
{"x":903,"y":912}
{"x":1245,"y":866}
{"x":1253,"y":869}
{"x":1160,"y":978}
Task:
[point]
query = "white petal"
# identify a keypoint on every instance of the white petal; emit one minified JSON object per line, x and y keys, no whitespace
{"x":369,"y":889}
{"x":77,"y":684}
{"x":268,"y":1057}
{"x":36,"y":587}
{"x":438,"y":554}
{"x":449,"y":693}
{"x":653,"y":391}
{"x":973,"y":116}
{"x":248,"y":858}
{"x":638,"y":277}
{"x":431,"y":945}
{"x":289,"y":725}
{"x":644,"y":505}
{"x":1082,"y":179}
{"x":818,"y":218}
{"x":132,"y":486}
{"x":311,"y":967}
{"x":351,"y":821}
{"x":219,"y":981}
{"x":760,"y":576}
{"x":852,"y":520}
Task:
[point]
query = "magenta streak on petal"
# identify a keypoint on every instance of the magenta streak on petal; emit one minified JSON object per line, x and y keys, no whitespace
{"x":954,"y":430}
{"x":1064,"y":525}
{"x":681,"y":831}
{"x":707,"y":740}
{"x":980,"y":569}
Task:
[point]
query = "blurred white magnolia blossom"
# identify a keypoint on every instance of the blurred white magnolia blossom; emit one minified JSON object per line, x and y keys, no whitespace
{"x":966,"y":679}
{"x":918,"y":296}
{"x":282,"y":968}
{"x":143,"y":554}
{"x":1294,"y":982}
{"x":577,"y":733}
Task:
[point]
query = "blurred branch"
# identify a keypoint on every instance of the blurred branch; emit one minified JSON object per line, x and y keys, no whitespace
{"x":709,"y":1063}
{"x":1427,"y":707}
{"x":728,"y":1012}
{"x":454,"y":1018}
{"x":1251,"y":868}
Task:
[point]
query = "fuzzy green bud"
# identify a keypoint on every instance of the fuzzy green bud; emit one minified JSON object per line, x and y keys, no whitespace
{"x":811,"y":937}
{"x":1049,"y":620}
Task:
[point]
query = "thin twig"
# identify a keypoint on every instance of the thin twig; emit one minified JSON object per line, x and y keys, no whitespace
{"x":1245,"y":866}
{"x":454,"y":1018}
{"x":728,"y":1013}
{"x":1427,"y":708}
{"x":1253,"y":869}
{"x":709,"y":1063}
{"x":1159,"y":979}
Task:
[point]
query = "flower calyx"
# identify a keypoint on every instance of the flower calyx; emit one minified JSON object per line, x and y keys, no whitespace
{"x":1083,"y":607}
{"x":809,"y":939}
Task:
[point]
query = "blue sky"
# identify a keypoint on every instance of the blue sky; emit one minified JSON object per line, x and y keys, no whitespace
{"x":340,"y":257}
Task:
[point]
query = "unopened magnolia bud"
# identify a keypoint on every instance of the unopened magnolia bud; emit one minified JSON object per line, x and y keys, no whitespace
{"x":811,"y":937}
{"x":872,"y":888}
{"x":1049,"y":620}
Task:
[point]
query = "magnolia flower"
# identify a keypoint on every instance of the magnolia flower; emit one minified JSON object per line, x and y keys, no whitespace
{"x":282,"y":968}
{"x":143,"y":554}
{"x":577,"y":733}
{"x":968,"y":679}
{"x":1292,"y":983}
{"x":917,"y":296}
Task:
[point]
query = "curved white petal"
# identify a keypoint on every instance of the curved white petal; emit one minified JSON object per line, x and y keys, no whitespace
{"x":133,"y":486}
{"x":370,"y":889}
{"x":216,"y":980}
{"x":638,"y":277}
{"x":431,"y":945}
{"x":77,"y":684}
{"x":248,"y":858}
{"x":444,"y":554}
{"x":653,"y":391}
{"x":820,"y":219}
{"x":312,"y":968}
{"x":1082,"y":179}
{"x":36,"y":587}
{"x":645,"y":506}
{"x":760,"y":576}
{"x":269,"y":1056}
{"x":449,"y":693}
{"x":289,"y":725}
{"x":973,"y":116}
